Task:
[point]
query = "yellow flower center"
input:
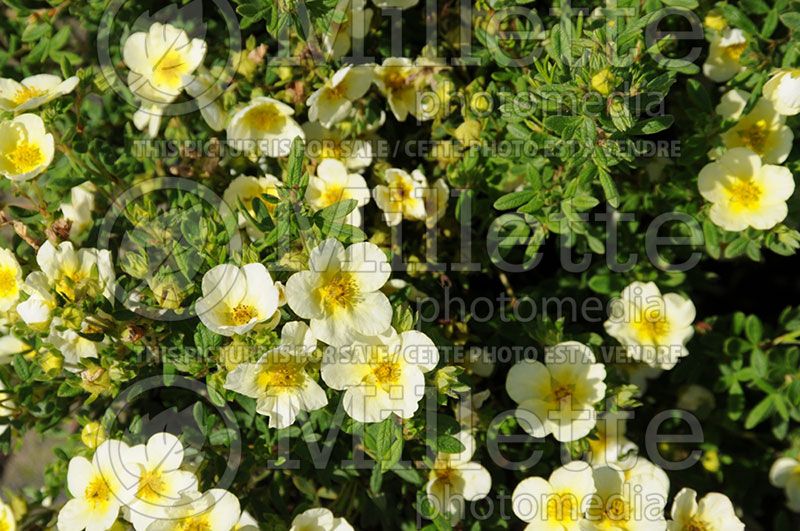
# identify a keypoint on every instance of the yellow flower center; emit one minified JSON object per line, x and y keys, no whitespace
{"x":734,"y":51}
{"x":617,"y":510}
{"x":745,"y":194}
{"x":151,"y":485}
{"x":195,"y":523}
{"x":333,"y":194}
{"x":445,"y":474}
{"x":696,"y":524}
{"x":27,"y":93}
{"x":25,"y":157}
{"x":8,"y":282}
{"x":97,"y":493}
{"x":562,"y":393}
{"x":652,"y":326}
{"x":387,"y":372}
{"x":339,"y":291}
{"x":401,"y":190}
{"x":281,"y":377}
{"x":395,"y":79}
{"x":330,"y":150}
{"x":265,"y":117}
{"x":562,"y":507}
{"x":170,"y":69}
{"x":755,"y":136}
{"x":241,"y":314}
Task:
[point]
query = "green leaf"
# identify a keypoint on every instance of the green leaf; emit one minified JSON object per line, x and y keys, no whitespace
{"x":761,"y":412}
{"x":609,"y":188}
{"x":514,"y":200}
{"x":448,"y":444}
{"x":791,"y":20}
{"x":383,"y":442}
{"x":653,"y":125}
{"x":335,"y":211}
{"x":737,"y":19}
{"x":296,"y":155}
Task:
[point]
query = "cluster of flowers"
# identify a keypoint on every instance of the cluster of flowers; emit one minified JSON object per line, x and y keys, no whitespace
{"x":148,"y":487}
{"x":580,"y":496}
{"x":745,"y":185}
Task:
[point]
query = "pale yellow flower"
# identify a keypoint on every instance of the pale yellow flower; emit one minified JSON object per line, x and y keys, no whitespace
{"x":455,"y":479}
{"x":10,"y":279}
{"x":236,"y":299}
{"x":723,"y":56}
{"x":331,"y":102}
{"x":559,"y":397}
{"x":402,"y":197}
{"x":783,"y":90}
{"x":557,"y":503}
{"x":26,"y":148}
{"x":397,"y":78}
{"x":632,"y":502}
{"x":33,"y":91}
{"x":714,"y":512}
{"x":382,"y":374}
{"x":340,"y":292}
{"x":785,"y":474}
{"x":653,"y":327}
{"x":264,"y":126}
{"x":744,"y":192}
{"x":763,"y":131}
{"x":332,"y":183}
{"x":319,"y":519}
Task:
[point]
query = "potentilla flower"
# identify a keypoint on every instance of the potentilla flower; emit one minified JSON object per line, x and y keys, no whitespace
{"x":785,"y":474}
{"x":79,"y":210}
{"x":6,"y":410}
{"x":454,"y":479}
{"x":37,"y":309}
{"x":319,"y":519}
{"x":99,"y":488}
{"x":235,"y":299}
{"x":264,"y":126}
{"x":331,"y":103}
{"x":714,"y":512}
{"x":161,"y":62}
{"x":556,"y":503}
{"x":381,"y":375}
{"x":723,"y":55}
{"x":10,"y":279}
{"x":630,"y":503}
{"x":340,"y":293}
{"x":436,"y":199}
{"x":71,"y":343}
{"x":323,"y":143}
{"x":332,"y":184}
{"x":355,"y":22}
{"x":783,"y":90}
{"x":215,"y":509}
{"x":279,"y":381}
{"x":33,"y":91}
{"x":161,"y":483}
{"x":398,"y":80}
{"x":403,"y":196}
{"x":744,"y":192}
{"x":8,"y":521}
{"x":611,"y":446}
{"x":77,"y":274}
{"x":558,"y":398}
{"x":764,"y":131}
{"x":732,"y":103}
{"x":653,"y":327}
{"x":244,"y":189}
{"x":26,"y":149}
